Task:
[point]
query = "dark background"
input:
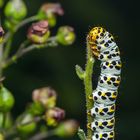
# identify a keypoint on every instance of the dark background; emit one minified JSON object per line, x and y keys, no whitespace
{"x":56,"y":66}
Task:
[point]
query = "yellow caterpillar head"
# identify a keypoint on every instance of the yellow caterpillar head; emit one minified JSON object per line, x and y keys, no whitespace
{"x":99,"y":40}
{"x":94,"y":34}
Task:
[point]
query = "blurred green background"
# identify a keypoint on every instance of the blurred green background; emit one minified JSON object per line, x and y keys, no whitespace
{"x":56,"y":66}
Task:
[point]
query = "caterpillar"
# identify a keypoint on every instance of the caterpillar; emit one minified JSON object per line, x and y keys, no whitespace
{"x":105,"y":49}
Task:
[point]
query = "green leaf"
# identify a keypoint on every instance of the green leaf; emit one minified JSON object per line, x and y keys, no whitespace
{"x":80,"y":72}
{"x":81,"y":134}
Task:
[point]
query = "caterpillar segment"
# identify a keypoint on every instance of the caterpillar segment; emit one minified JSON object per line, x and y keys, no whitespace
{"x":104,"y":135}
{"x":103,"y":111}
{"x":101,"y":124}
{"x":105,"y":49}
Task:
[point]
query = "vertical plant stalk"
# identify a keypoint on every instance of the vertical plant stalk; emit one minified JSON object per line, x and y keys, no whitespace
{"x":8,"y":46}
{"x":88,"y":88}
{"x":86,"y":76}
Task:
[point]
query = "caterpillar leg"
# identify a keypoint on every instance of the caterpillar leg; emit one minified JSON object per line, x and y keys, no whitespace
{"x":89,"y":112}
{"x":90,"y":97}
{"x":89,"y":126}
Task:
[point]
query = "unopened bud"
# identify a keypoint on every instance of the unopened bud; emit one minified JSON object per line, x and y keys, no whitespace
{"x":49,"y":11}
{"x":54,"y":116}
{"x":1,"y":34}
{"x":25,"y":124}
{"x":67,"y":128}
{"x":36,"y":108}
{"x":39,"y":32}
{"x":6,"y":99}
{"x":46,"y":96}
{"x":54,"y":8}
{"x":15,"y":10}
{"x":66,"y":35}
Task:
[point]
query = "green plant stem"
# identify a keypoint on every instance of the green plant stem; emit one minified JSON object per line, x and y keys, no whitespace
{"x":88,"y":88}
{"x":13,"y":131}
{"x":43,"y":135}
{"x":8,"y":40}
{"x":2,"y":126}
{"x":22,"y":23}
{"x":27,"y":20}
{"x":86,"y":76}
{"x":4,"y":119}
{"x":51,"y":42}
{"x":8,"y":46}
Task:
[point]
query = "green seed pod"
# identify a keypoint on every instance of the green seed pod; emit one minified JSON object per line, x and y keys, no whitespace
{"x":49,"y":11}
{"x":39,"y":32}
{"x":51,"y":18}
{"x":9,"y":25}
{"x":15,"y":10}
{"x":54,"y":116}
{"x":46,"y":96}
{"x":36,"y":108}
{"x":25,"y":124}
{"x":66,"y":35}
{"x":6,"y":99}
{"x":1,"y":34}
{"x":67,"y":128}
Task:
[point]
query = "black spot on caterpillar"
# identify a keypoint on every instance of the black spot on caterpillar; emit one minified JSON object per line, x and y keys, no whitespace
{"x":105,"y":49}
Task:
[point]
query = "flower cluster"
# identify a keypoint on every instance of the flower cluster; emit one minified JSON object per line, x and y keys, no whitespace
{"x":42,"y":113}
{"x":43,"y":108}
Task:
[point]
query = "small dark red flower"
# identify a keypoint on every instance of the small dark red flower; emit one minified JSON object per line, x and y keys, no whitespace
{"x":52,"y":8}
{"x":46,"y":96}
{"x":38,"y":28}
{"x":54,"y":116}
{"x":39,"y":32}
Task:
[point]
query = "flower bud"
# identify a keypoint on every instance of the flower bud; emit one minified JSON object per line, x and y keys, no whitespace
{"x":49,"y":11}
{"x":1,"y":34}
{"x":25,"y":124}
{"x":54,"y":116}
{"x":66,"y":35}
{"x":46,"y":96}
{"x":39,"y":32}
{"x":67,"y":128}
{"x":6,"y":99}
{"x":15,"y":10}
{"x":36,"y":108}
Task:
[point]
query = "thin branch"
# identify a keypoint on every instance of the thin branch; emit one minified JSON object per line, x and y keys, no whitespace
{"x":13,"y":131}
{"x":22,"y":23}
{"x":22,"y":45}
{"x":43,"y":135}
{"x":8,"y":46}
{"x":51,"y":42}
